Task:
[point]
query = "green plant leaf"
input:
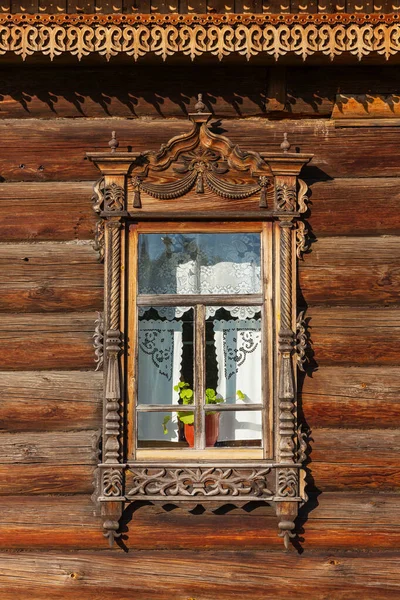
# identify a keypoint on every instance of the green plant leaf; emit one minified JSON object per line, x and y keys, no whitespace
{"x":164,"y":424}
{"x":240,"y":395}
{"x":186,"y":417}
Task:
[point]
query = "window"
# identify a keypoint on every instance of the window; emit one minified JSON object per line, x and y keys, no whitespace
{"x":200,"y":351}
{"x":200,"y":314}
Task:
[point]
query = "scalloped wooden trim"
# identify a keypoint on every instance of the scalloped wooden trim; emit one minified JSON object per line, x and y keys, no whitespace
{"x":194,"y":35}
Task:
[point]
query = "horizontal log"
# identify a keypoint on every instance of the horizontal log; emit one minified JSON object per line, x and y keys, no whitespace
{"x":29,"y":479}
{"x":338,"y":206}
{"x":340,"y":521}
{"x":354,"y":336}
{"x":62,"y":276}
{"x":346,"y":336}
{"x":133,"y":91}
{"x":64,"y":448}
{"x":50,"y":400}
{"x":55,"y":150}
{"x":47,"y":341}
{"x":366,"y":397}
{"x":46,"y":211}
{"x":58,"y":276}
{"x":243,"y":90}
{"x":352,"y":270}
{"x":188,"y":574}
{"x":31,"y":211}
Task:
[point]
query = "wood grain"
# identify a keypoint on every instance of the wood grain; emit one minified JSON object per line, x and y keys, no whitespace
{"x":32,"y":211}
{"x":52,"y":341}
{"x":70,"y":448}
{"x":188,"y":574}
{"x":353,"y":270}
{"x":40,"y":479}
{"x":56,"y":148}
{"x":65,"y":522}
{"x":365,"y":397}
{"x":354,"y":336}
{"x":50,"y":400}
{"x":50,"y":277}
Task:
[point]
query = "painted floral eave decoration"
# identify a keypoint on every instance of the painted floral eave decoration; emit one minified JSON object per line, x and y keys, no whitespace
{"x":193,"y":35}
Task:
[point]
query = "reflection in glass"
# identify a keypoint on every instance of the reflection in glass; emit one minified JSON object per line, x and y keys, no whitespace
{"x":165,"y":353}
{"x":199,"y":263}
{"x":240,"y":428}
{"x":159,"y":430}
{"x":233,"y":365}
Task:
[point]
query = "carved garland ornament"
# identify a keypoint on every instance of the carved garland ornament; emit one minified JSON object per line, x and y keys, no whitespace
{"x":193,"y":35}
{"x":189,"y":163}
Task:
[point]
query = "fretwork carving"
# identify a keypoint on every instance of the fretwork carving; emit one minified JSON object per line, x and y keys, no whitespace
{"x":114,"y":197}
{"x":98,"y":340}
{"x":301,"y":341}
{"x":286,"y":197}
{"x":199,"y":481}
{"x":203,"y":165}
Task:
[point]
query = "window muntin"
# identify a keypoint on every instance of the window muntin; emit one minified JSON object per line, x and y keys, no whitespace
{"x":199,"y":323}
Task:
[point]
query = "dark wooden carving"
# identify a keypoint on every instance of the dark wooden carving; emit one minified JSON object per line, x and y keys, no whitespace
{"x":180,"y":483}
{"x":192,"y":166}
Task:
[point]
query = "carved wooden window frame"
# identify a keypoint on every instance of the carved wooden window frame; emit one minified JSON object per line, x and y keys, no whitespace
{"x":137,"y":187}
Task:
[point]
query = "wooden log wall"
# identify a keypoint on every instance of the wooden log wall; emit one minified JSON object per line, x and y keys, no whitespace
{"x":51,"y":544}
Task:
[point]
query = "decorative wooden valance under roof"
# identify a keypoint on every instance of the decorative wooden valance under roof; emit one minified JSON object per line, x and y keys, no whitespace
{"x":193,"y":35}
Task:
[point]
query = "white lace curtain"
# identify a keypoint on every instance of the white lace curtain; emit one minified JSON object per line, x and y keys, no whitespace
{"x":193,"y":265}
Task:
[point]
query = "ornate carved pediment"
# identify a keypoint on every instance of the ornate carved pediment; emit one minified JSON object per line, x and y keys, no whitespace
{"x":199,"y":161}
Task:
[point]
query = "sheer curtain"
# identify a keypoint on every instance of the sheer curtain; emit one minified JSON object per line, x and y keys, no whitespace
{"x":203,"y":264}
{"x":159,"y":368}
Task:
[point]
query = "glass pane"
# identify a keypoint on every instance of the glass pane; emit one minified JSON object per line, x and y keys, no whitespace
{"x":199,"y":263}
{"x":165,"y":353}
{"x":160,"y":430}
{"x":238,"y":428}
{"x":233,"y":354}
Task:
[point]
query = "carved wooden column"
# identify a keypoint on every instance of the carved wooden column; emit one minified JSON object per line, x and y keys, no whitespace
{"x":265,"y":188}
{"x":110,"y":204}
{"x":289,"y":203}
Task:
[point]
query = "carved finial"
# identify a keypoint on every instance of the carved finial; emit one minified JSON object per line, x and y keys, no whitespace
{"x":285,"y":144}
{"x":111,"y":531}
{"x":113,"y":143}
{"x":199,"y":106}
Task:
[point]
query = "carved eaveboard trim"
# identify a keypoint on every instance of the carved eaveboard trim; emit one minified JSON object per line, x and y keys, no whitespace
{"x":194,"y":35}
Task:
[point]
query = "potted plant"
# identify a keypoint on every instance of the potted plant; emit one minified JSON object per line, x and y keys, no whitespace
{"x":186,"y":395}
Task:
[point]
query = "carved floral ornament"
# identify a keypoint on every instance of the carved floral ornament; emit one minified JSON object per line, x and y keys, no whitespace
{"x":188,"y":167}
{"x":247,"y":35}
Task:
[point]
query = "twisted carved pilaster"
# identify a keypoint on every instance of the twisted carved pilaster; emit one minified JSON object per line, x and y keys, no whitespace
{"x":112,"y":477}
{"x":286,"y":392}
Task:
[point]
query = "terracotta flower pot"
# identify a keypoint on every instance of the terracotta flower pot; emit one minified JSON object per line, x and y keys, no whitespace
{"x":212,"y":430}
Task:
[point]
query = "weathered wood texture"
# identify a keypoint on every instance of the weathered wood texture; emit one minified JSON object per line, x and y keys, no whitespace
{"x":184,"y":575}
{"x":349,"y":336}
{"x":50,"y":400}
{"x":37,"y":522}
{"x":138,"y":91}
{"x":354,"y":270}
{"x":53,"y":277}
{"x":50,"y":409}
{"x":47,"y":341}
{"x":59,"y":277}
{"x":56,"y":148}
{"x":359,"y":459}
{"x":31,"y":211}
{"x":348,"y":397}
